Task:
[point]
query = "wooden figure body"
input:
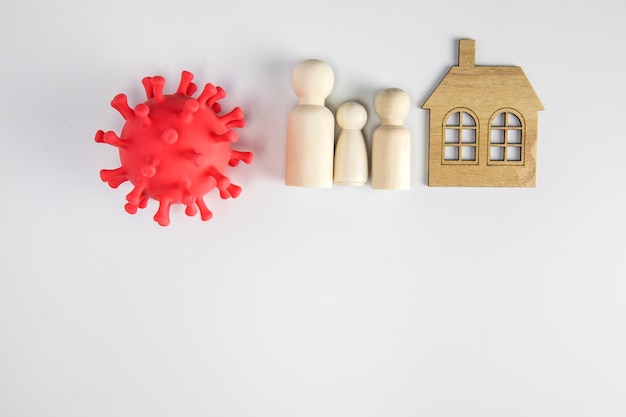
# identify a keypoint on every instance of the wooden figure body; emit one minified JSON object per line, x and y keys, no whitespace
{"x":311,"y":128}
{"x":351,"y":152}
{"x":483,"y":126}
{"x":391,"y":143}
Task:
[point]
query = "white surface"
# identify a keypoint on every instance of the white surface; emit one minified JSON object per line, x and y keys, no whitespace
{"x":431,"y":302}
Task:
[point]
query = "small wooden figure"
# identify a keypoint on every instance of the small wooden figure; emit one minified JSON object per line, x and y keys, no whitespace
{"x":351,"y":152}
{"x":311,"y":127}
{"x":391,"y":147}
{"x":483,"y":126}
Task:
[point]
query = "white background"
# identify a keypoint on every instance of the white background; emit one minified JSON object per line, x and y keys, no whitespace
{"x":310,"y":302}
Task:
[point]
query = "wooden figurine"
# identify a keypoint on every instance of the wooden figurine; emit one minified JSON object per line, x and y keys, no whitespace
{"x":311,"y":127}
{"x":391,"y":143}
{"x":351,"y":152}
{"x":483,"y":126}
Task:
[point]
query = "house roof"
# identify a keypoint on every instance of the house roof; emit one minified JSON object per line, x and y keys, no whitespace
{"x":468,"y":85}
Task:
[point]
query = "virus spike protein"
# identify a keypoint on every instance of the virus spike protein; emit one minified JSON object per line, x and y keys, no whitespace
{"x":174,"y":148}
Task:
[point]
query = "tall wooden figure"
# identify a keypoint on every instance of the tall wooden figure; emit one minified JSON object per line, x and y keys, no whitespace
{"x":391,"y":147}
{"x":351,"y":152}
{"x":311,"y":127}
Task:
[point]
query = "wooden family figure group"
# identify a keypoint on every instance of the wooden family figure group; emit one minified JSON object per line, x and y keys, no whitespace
{"x":313,"y":159}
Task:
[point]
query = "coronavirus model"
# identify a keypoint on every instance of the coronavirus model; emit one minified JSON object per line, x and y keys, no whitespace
{"x":175,"y":148}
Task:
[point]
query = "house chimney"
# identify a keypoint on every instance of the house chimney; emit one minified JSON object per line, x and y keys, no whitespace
{"x":467,"y":52}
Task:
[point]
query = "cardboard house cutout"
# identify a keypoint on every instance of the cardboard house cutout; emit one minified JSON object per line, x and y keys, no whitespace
{"x":483,"y":126}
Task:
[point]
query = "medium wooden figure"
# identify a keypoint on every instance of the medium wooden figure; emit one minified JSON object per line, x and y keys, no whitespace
{"x":391,"y":143}
{"x":351,"y":152}
{"x":483,"y":126}
{"x":311,"y":127}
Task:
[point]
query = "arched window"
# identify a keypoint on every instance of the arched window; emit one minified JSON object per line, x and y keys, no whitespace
{"x":460,"y":138}
{"x":506,"y":139}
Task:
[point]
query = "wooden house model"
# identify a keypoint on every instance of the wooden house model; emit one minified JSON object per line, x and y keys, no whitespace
{"x":483,"y":126}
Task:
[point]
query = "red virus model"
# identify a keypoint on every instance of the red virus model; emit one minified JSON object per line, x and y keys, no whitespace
{"x":175,"y":148}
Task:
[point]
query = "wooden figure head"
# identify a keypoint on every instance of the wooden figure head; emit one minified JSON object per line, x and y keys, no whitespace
{"x":313,"y":80}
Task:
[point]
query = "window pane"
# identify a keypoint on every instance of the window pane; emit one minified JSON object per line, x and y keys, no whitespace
{"x":468,"y":120}
{"x":497,"y":136}
{"x":513,"y":153}
{"x":468,"y":153}
{"x":453,"y":120}
{"x":469,"y":136}
{"x":498,"y":121}
{"x":497,"y":153}
{"x":452,"y":153}
{"x":514,"y":136}
{"x":452,"y":135}
{"x":514,"y":120}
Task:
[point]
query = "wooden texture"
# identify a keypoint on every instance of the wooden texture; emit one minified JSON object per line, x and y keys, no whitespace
{"x":311,"y":128}
{"x":391,"y":142}
{"x":483,"y":126}
{"x":351,"y":167}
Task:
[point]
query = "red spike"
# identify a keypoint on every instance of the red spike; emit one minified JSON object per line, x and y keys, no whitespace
{"x":211,"y":182}
{"x":231,"y":191}
{"x":192,"y":89}
{"x":147,"y":85}
{"x":117,"y":181}
{"x":185,"y":187}
{"x":99,"y":136}
{"x":144,"y":202}
{"x":107,"y":175}
{"x":142,"y":111}
{"x":208,"y":92}
{"x":234,"y":118}
{"x":157,"y":87}
{"x":200,"y":160}
{"x":120,"y":103}
{"x":185,"y":81}
{"x":130,"y":208}
{"x":187,"y":197}
{"x":234,"y":190}
{"x":136,"y":194}
{"x":230,"y":136}
{"x":205,"y":213}
{"x":191,"y":107}
{"x":216,"y":108}
{"x":191,"y":210}
{"x":162,"y":216}
{"x":170,"y":136}
{"x":221,"y":181}
{"x":149,"y":169}
{"x":112,"y":139}
{"x":219,"y":94}
{"x":237,"y":156}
